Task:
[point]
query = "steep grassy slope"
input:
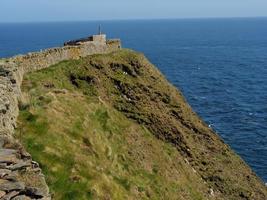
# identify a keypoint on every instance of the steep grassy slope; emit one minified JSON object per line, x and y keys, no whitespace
{"x":111,"y":127}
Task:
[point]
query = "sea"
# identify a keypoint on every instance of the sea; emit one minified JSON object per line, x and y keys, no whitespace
{"x":220,"y":65}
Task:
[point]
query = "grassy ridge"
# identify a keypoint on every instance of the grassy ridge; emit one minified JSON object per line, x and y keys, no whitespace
{"x":86,"y":147}
{"x":111,"y":127}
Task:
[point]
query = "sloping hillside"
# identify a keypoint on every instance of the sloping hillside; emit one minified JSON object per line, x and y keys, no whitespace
{"x":111,"y":127}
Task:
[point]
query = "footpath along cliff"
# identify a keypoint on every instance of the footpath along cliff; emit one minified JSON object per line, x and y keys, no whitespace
{"x":102,"y":122}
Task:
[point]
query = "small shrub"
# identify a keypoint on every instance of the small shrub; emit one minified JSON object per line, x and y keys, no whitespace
{"x":103,"y":117}
{"x":123,"y":182}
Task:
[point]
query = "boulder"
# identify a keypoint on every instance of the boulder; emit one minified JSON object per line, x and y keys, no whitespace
{"x":34,"y":192}
{"x":8,"y":159}
{"x":10,"y":195}
{"x":8,"y":186}
{"x":2,"y":193}
{"x":20,"y":165}
{"x":21,"y":197}
{"x":4,"y":172}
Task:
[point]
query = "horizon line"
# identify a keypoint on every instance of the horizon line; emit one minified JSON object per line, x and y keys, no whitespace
{"x":131,"y":19}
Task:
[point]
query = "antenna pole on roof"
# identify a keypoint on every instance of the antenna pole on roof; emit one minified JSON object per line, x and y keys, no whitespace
{"x":99,"y":30}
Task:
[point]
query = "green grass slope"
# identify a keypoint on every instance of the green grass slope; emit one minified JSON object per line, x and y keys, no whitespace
{"x":111,"y":127}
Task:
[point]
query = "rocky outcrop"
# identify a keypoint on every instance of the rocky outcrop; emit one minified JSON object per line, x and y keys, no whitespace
{"x":20,"y":177}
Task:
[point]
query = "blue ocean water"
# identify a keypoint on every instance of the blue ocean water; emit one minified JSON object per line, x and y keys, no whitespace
{"x":219,"y":64}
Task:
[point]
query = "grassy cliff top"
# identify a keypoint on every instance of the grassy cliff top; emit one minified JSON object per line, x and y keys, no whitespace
{"x":111,"y":127}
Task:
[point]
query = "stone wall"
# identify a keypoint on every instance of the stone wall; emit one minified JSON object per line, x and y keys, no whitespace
{"x":39,"y":60}
{"x":20,"y":176}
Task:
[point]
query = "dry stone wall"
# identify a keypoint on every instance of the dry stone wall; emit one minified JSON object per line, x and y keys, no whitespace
{"x":20,"y":176}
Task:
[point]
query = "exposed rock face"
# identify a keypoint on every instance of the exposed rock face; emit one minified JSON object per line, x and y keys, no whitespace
{"x":20,"y":177}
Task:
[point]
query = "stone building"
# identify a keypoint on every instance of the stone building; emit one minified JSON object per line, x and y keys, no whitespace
{"x":99,"y":38}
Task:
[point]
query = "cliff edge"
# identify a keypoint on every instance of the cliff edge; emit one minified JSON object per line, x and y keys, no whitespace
{"x":109,"y":126}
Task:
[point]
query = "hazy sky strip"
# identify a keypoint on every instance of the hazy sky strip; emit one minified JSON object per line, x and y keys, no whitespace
{"x":72,"y":10}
